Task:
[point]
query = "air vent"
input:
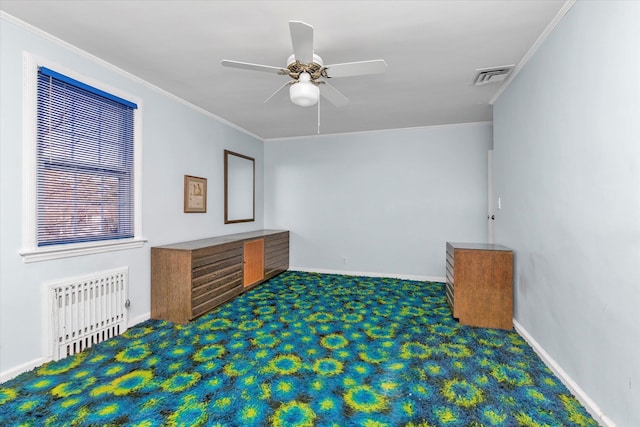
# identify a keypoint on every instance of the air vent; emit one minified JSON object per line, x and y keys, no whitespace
{"x":492,"y":75}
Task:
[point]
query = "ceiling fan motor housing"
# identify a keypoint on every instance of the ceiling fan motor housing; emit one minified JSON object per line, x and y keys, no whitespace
{"x":315,"y":68}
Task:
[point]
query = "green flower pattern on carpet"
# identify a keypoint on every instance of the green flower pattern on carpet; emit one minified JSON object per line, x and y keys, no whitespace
{"x":302,"y":349}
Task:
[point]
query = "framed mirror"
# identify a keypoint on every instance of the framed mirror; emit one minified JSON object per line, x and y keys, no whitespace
{"x":239,"y":188}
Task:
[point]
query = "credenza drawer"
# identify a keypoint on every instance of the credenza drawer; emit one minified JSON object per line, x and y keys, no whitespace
{"x":216,"y":299}
{"x":231,"y":276}
{"x":212,"y":290}
{"x":449,"y":291}
{"x":222,"y":253}
{"x":210,"y":272}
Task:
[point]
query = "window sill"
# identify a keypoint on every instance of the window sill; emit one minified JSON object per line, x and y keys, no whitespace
{"x":66,"y":251}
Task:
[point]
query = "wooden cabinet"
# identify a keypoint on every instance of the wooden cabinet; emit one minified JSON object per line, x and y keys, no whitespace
{"x":479,"y":284}
{"x":188,"y":279}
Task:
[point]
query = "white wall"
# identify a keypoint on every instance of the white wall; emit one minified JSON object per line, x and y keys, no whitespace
{"x":177,"y":140}
{"x":567,"y":167}
{"x":379,"y":202}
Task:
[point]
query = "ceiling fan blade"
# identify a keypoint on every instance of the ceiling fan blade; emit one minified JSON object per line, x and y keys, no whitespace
{"x":302,"y":41}
{"x":332,"y":94}
{"x":377,"y":66}
{"x":279,"y":89}
{"x":253,"y":67}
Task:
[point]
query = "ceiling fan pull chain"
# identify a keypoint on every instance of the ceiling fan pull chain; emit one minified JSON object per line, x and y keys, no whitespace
{"x":318,"y":115}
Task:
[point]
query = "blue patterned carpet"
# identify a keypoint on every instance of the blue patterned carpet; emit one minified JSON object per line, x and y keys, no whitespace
{"x":302,"y":350}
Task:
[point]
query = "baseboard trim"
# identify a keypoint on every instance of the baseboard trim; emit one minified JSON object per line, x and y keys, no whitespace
{"x":26,"y":367}
{"x":139,"y":319}
{"x":580,"y":394}
{"x":370,"y":274}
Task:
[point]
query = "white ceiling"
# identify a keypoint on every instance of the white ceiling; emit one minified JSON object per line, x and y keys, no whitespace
{"x":432,"y":49}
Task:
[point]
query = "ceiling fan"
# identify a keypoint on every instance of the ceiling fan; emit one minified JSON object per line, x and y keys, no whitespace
{"x":307,"y":71}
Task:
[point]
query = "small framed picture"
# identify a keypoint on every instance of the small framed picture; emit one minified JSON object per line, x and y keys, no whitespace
{"x":195,"y":194}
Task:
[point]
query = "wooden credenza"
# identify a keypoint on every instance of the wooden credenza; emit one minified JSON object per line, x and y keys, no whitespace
{"x":480,"y":284}
{"x":188,"y":279}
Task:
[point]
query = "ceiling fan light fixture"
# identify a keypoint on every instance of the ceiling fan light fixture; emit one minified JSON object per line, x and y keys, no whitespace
{"x":307,"y":70}
{"x":303,"y":92}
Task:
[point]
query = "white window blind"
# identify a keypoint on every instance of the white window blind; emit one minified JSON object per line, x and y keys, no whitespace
{"x":85,"y":170}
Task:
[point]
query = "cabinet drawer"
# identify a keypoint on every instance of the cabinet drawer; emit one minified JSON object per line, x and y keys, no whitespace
{"x":450,"y":295}
{"x":210,"y":272}
{"x":209,"y":286}
{"x":210,"y":303}
{"x":278,"y":239}
{"x":277,"y":254}
{"x":213,"y":289}
{"x":277,"y":248}
{"x":203,"y":258}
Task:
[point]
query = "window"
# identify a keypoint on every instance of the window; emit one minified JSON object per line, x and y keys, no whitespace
{"x":84,"y":164}
{"x":81,"y":184}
